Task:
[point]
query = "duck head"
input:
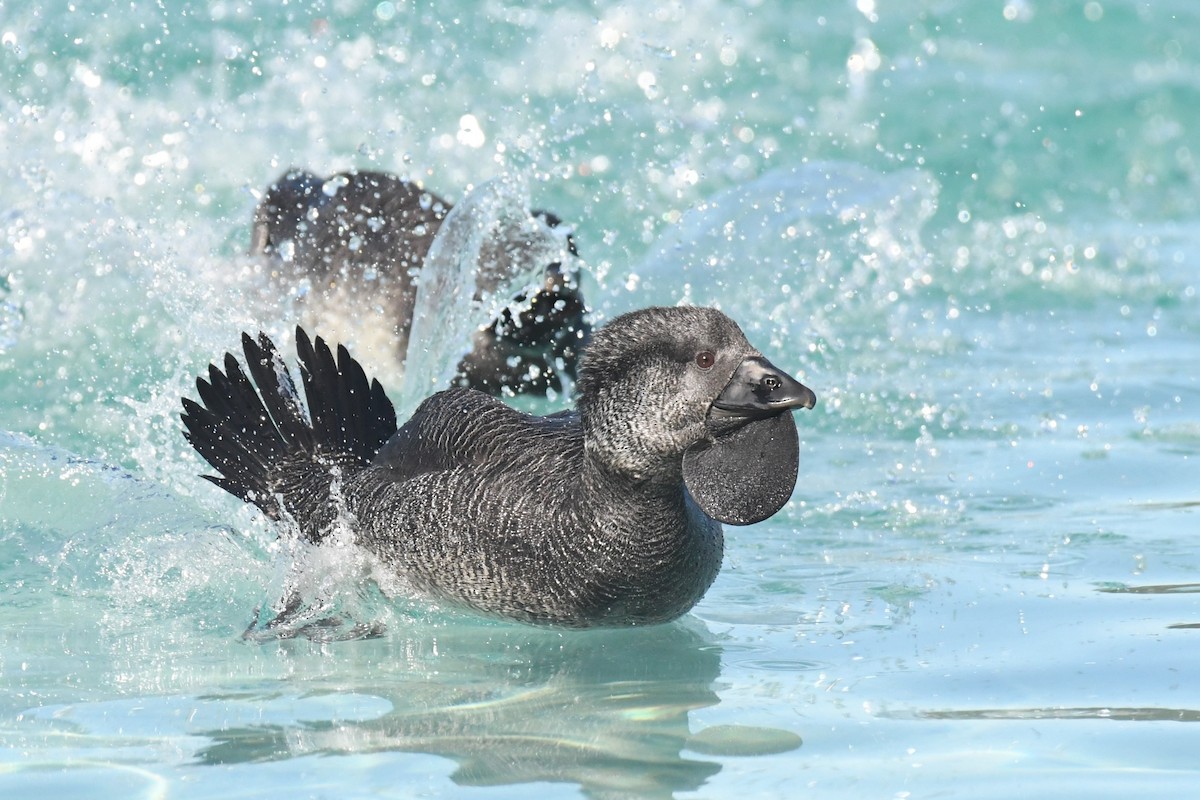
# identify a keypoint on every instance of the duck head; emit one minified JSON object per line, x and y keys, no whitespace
{"x":679,"y":393}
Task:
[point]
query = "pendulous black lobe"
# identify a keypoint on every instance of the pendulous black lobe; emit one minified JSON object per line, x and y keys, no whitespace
{"x":607,"y":515}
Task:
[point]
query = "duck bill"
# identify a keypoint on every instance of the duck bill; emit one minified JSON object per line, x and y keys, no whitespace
{"x":759,"y":389}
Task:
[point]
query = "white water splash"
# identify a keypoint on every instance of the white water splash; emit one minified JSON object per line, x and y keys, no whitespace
{"x":832,"y":234}
{"x":488,"y":248}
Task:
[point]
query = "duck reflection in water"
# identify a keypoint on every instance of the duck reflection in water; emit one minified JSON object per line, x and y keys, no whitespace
{"x":606,"y":710}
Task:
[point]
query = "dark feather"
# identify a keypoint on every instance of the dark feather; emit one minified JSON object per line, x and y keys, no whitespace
{"x":263,"y":446}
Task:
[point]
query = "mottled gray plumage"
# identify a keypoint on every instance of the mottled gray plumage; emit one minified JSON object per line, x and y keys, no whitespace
{"x":359,"y":240}
{"x":606,"y":515}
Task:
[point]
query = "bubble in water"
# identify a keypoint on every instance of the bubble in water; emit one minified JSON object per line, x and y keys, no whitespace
{"x":385,"y":11}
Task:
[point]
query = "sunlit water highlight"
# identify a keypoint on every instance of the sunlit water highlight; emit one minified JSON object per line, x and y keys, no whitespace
{"x":970,"y":227}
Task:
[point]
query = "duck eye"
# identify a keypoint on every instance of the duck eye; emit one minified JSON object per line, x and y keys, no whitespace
{"x":705,"y":359}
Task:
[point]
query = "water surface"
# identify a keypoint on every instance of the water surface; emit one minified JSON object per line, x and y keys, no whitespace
{"x":970,"y":227}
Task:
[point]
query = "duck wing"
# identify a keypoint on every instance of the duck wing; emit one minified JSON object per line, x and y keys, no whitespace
{"x":465,"y":428}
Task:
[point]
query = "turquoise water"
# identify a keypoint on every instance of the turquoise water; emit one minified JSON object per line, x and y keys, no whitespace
{"x":973,"y":228}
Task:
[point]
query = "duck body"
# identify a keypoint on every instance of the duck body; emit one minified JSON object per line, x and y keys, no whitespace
{"x":607,"y":515}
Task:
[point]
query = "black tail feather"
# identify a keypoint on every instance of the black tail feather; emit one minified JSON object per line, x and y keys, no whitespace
{"x":218,"y":442}
{"x":317,"y":369}
{"x":261,"y":442}
{"x":271,"y":375}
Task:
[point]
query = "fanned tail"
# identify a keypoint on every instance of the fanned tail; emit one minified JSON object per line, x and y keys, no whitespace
{"x":264,"y":446}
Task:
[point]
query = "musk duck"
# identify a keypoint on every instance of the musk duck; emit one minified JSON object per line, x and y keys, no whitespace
{"x":605,"y":515}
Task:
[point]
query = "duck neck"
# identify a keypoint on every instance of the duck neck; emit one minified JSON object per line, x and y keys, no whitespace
{"x":641,"y":477}
{"x":660,"y":552}
{"x":630,"y":475}
{"x":649,"y":509}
